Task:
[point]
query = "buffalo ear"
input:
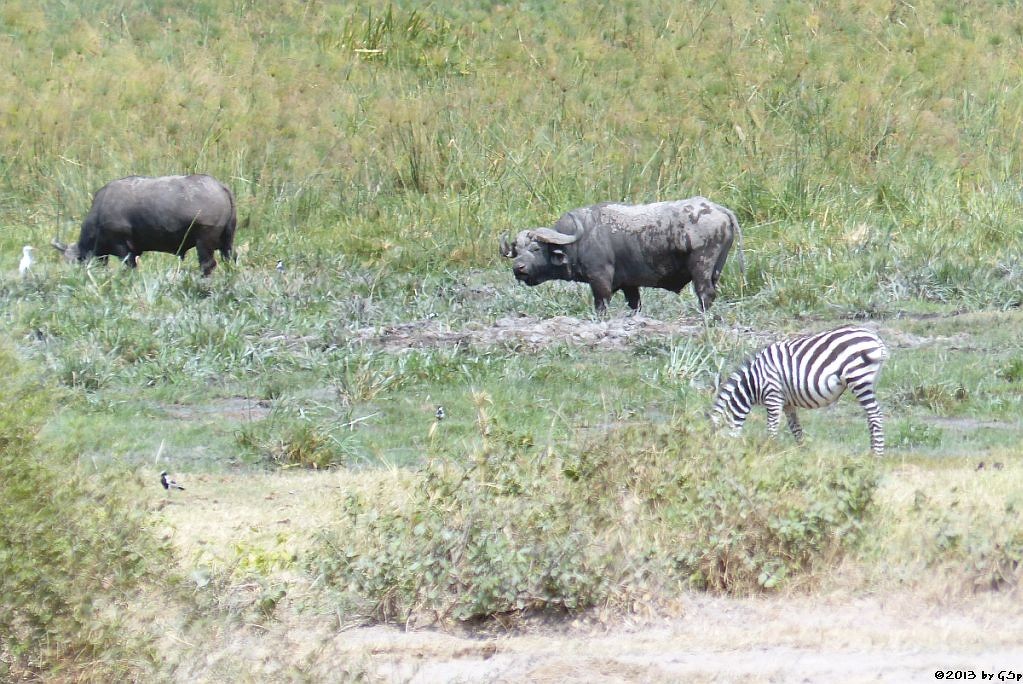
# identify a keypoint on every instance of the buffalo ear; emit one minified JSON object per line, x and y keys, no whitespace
{"x":558,"y":256}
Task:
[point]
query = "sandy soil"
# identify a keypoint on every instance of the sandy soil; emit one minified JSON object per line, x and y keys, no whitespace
{"x":723,"y":640}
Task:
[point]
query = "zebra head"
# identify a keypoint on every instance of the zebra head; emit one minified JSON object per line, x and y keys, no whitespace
{"x":735,"y":399}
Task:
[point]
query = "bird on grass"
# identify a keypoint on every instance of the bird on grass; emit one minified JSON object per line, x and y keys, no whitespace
{"x":168,"y":483}
{"x":26,"y":260}
{"x":439,"y":415}
{"x":280,"y":266}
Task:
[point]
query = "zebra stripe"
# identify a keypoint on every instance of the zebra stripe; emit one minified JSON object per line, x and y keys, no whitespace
{"x":807,"y":372}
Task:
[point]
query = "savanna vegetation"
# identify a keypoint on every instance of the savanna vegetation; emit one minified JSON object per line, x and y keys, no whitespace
{"x":379,"y":149}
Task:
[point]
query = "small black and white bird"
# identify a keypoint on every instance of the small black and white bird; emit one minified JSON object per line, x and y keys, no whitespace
{"x":168,"y":483}
{"x":440,"y":413}
{"x":280,"y":266}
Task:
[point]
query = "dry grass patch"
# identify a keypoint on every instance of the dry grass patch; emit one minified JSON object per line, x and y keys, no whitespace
{"x":957,"y":529}
{"x":220,"y":516}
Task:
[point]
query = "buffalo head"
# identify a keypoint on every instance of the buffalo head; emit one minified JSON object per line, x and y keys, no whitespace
{"x":70,"y":252}
{"x":538,"y":255}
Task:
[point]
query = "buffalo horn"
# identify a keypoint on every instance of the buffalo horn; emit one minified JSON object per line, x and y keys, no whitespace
{"x":554,"y":237}
{"x":58,"y":245}
{"x":505,"y":247}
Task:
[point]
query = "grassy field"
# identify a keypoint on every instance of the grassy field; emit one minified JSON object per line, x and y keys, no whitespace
{"x":380,"y":150}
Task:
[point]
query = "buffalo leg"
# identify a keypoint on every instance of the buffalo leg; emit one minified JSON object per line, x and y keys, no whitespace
{"x":705,"y":290}
{"x":601,"y":296}
{"x":632,"y":297}
{"x":705,"y":293}
{"x":701,"y":266}
{"x":227,"y":246}
{"x":207,"y":262}
{"x":124,"y":254}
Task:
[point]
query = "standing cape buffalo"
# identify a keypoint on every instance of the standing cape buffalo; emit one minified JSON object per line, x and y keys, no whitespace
{"x":624,"y":247}
{"x":170,"y":214}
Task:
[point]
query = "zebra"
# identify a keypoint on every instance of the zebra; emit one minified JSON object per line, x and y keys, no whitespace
{"x":811,"y":371}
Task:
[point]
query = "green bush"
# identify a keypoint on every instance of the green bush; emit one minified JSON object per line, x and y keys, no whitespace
{"x":513,"y":527}
{"x":756,"y":521}
{"x":72,"y":553}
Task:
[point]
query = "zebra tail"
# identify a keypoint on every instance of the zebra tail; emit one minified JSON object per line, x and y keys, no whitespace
{"x":878,"y":355}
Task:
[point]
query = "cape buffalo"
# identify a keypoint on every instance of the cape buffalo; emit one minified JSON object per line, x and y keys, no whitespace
{"x":171,"y":214}
{"x":625,"y":247}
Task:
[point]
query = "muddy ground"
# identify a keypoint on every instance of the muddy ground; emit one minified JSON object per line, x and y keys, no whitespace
{"x":525,"y":333}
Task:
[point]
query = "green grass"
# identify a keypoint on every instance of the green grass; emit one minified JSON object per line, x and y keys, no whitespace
{"x":380,"y":150}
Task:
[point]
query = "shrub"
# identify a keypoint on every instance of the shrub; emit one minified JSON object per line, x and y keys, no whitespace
{"x":513,"y":527}
{"x":72,"y":553}
{"x":756,"y":521}
{"x":939,"y":398}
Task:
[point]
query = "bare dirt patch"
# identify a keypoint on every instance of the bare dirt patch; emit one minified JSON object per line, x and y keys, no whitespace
{"x":240,"y":409}
{"x":907,"y":340}
{"x":959,"y":423}
{"x":526,"y":333}
{"x":844,"y":639}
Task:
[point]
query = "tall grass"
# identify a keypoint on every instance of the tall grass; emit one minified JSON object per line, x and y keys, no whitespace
{"x":858,"y":141}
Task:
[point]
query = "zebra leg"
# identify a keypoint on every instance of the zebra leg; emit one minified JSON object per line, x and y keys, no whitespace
{"x":865,"y":395}
{"x":773,"y":404}
{"x":735,"y":424}
{"x":794,"y":426}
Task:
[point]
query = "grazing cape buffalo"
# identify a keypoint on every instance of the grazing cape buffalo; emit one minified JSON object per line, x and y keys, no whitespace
{"x":625,"y":247}
{"x":170,"y":214}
